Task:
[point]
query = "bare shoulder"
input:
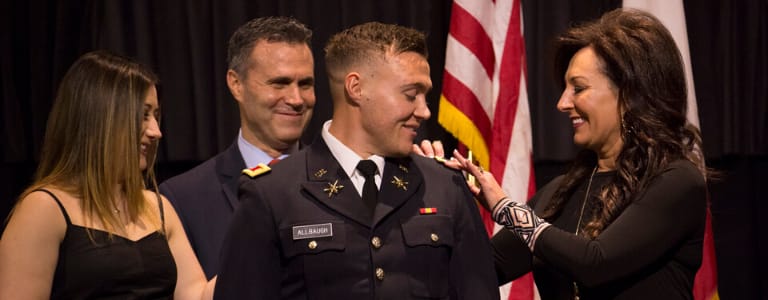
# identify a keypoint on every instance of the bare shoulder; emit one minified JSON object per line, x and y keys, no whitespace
{"x":152,"y":200}
{"x":169,"y":213}
{"x":43,"y":204}
{"x":151,"y":197}
{"x":38,"y":211}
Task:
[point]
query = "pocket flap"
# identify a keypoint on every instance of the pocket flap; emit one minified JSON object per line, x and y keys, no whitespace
{"x":429,"y":230}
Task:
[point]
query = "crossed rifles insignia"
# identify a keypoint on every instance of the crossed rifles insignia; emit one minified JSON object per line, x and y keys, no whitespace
{"x":334,"y":187}
{"x":399,"y":183}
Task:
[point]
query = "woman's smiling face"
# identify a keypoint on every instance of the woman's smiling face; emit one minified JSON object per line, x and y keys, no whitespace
{"x":591,"y":101}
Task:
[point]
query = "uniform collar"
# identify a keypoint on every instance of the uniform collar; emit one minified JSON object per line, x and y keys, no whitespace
{"x":347,"y":158}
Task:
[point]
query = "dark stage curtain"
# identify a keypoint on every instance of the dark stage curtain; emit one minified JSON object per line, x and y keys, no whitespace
{"x":185,"y":43}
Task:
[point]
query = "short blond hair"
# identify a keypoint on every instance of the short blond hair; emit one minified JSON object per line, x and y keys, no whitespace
{"x":369,"y":40}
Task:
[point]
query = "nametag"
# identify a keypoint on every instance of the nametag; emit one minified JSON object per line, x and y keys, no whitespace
{"x":312,"y":231}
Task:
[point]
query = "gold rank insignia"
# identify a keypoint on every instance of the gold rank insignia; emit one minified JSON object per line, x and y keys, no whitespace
{"x":401,"y":184}
{"x":403,"y":168}
{"x":320,"y":173}
{"x":333,"y":188}
{"x":257,"y":170}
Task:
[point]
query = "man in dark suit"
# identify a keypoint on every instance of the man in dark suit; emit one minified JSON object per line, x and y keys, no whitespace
{"x":271,"y":75}
{"x":354,"y":216}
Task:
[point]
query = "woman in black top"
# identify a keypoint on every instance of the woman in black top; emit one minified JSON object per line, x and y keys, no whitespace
{"x":627,"y":219}
{"x":86,"y":228}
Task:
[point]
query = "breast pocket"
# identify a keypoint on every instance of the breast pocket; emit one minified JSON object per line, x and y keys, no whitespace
{"x":310,"y":252}
{"x":310,"y":238}
{"x":429,"y":242}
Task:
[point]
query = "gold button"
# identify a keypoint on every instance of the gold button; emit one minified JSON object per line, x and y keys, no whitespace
{"x":376,"y":242}
{"x":312,"y":245}
{"x":379,"y":273}
{"x":434,"y":237}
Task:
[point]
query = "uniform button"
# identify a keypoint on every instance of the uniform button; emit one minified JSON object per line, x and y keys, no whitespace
{"x":312,"y":245}
{"x":376,"y":242}
{"x":434,"y":237}
{"x":379,"y":274}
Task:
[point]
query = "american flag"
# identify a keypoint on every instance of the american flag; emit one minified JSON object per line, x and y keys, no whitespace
{"x":484,"y":102}
{"x":486,"y":48}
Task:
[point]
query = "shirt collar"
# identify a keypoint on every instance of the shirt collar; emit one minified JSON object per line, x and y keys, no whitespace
{"x":252,"y":155}
{"x":347,"y":158}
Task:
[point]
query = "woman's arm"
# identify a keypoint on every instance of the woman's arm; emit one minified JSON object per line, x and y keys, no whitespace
{"x":670,"y":213}
{"x":29,"y":248}
{"x":511,"y":256}
{"x":190,"y":281}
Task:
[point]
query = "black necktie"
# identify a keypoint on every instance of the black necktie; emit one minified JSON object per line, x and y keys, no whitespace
{"x":370,"y":192}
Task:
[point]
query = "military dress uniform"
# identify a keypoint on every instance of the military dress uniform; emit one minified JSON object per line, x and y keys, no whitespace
{"x":303,"y":232}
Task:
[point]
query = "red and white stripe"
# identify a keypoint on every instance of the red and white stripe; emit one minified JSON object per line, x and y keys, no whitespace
{"x":485,"y":104}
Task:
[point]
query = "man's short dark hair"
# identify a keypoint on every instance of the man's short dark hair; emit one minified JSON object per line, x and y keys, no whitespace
{"x":270,"y":29}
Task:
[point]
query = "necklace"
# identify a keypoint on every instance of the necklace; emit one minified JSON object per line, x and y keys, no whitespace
{"x":578,"y":224}
{"x":584,"y":204}
{"x":115,"y":209}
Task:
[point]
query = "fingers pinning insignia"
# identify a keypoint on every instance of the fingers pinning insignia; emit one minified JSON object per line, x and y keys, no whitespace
{"x":257,"y":170}
{"x":445,"y":161}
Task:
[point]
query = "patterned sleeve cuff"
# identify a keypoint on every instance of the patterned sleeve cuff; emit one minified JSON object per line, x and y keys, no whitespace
{"x":536,"y":234}
{"x":498,"y":208}
{"x":520,"y":219}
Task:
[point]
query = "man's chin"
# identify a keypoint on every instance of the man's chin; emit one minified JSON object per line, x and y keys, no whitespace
{"x":402,"y":151}
{"x":289,"y":140}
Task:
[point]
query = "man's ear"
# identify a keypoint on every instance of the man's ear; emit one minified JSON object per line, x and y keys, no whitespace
{"x":235,"y":85}
{"x":352,"y":86}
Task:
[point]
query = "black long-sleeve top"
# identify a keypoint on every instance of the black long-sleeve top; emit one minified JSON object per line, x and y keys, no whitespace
{"x":652,"y":250}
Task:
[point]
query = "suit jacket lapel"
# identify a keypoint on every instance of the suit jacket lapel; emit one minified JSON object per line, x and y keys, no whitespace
{"x":400,"y":181}
{"x":229,"y":166}
{"x":328,"y":184}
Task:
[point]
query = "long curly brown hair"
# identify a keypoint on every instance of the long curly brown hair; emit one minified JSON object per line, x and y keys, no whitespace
{"x":639,"y":56}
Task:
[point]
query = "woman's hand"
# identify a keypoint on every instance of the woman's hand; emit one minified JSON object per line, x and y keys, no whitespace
{"x":489,"y":193}
{"x":486,"y":189}
{"x":514,"y":216}
{"x":435,"y":150}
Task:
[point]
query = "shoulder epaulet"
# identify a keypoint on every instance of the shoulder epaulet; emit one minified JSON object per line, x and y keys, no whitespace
{"x":449,"y":164}
{"x":444,"y":162}
{"x":257,"y":170}
{"x":440,"y":159}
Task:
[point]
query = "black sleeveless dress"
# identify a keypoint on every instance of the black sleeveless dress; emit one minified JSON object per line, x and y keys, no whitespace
{"x":112,"y":269}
